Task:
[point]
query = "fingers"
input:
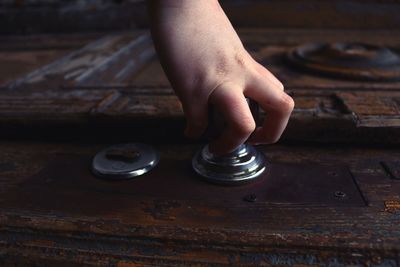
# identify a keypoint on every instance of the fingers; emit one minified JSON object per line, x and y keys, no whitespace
{"x":197,"y":119}
{"x":263,"y":72}
{"x":232,"y":105}
{"x":229,"y":100}
{"x":278,"y":107}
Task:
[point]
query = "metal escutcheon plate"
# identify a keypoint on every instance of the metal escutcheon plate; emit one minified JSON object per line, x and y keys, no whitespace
{"x":124,"y":161}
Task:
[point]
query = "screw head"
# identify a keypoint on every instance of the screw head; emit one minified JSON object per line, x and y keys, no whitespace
{"x":250,"y":198}
{"x":340,"y":194}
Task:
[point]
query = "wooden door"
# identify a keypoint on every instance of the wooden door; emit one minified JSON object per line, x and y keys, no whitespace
{"x":330,"y":196}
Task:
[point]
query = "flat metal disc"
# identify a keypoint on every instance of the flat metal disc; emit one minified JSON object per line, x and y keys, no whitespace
{"x":124,"y":161}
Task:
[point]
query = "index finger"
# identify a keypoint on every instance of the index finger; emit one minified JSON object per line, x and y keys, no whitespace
{"x":278,"y":106}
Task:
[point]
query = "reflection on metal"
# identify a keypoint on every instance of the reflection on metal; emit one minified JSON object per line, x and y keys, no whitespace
{"x":124,"y":161}
{"x":348,"y":60}
{"x":241,"y":166}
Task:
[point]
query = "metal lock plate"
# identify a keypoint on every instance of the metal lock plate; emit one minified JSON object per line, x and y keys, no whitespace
{"x":281,"y":185}
{"x":124,"y":161}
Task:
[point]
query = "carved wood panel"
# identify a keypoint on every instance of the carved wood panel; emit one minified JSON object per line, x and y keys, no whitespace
{"x":53,"y":211}
{"x":126,"y":64}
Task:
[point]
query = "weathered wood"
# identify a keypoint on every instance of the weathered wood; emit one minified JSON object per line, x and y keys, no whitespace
{"x":85,"y":15}
{"x":374,"y":109}
{"x":67,"y":215}
{"x":335,"y":204}
{"x":23,"y":54}
{"x":392,"y":168}
{"x":15,"y":64}
{"x":124,"y":67}
{"x":85,"y":64}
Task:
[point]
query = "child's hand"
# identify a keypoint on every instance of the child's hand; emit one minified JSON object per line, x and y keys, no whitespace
{"x":206,"y":62}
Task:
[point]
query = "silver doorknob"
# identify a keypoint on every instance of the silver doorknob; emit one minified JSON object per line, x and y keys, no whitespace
{"x":243,"y":165}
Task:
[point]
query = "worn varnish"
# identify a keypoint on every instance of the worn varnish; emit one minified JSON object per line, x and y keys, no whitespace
{"x":54,"y":208}
{"x":123,"y":68}
{"x":16,"y":16}
{"x":330,"y":196}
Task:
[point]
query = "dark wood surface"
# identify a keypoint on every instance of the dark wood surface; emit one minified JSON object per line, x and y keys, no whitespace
{"x":54,"y":209}
{"x":116,"y":78}
{"x":65,"y":97}
{"x":55,"y":16}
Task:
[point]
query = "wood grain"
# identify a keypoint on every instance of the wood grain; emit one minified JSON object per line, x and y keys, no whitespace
{"x":149,"y":228}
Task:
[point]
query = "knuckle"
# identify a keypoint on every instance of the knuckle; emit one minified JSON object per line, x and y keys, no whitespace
{"x":271,"y":139}
{"x":227,"y":63}
{"x":241,"y":58}
{"x":286,"y":103}
{"x":274,"y":139}
{"x":280,"y":86}
{"x":222,"y":67}
{"x":245,"y":127}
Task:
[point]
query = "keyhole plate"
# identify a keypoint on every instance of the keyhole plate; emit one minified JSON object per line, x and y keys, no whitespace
{"x":124,"y":161}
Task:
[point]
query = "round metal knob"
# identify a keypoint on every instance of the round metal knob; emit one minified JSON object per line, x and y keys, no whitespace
{"x":242,"y":165}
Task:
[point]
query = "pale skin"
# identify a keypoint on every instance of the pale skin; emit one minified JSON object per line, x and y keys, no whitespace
{"x":206,"y":63}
